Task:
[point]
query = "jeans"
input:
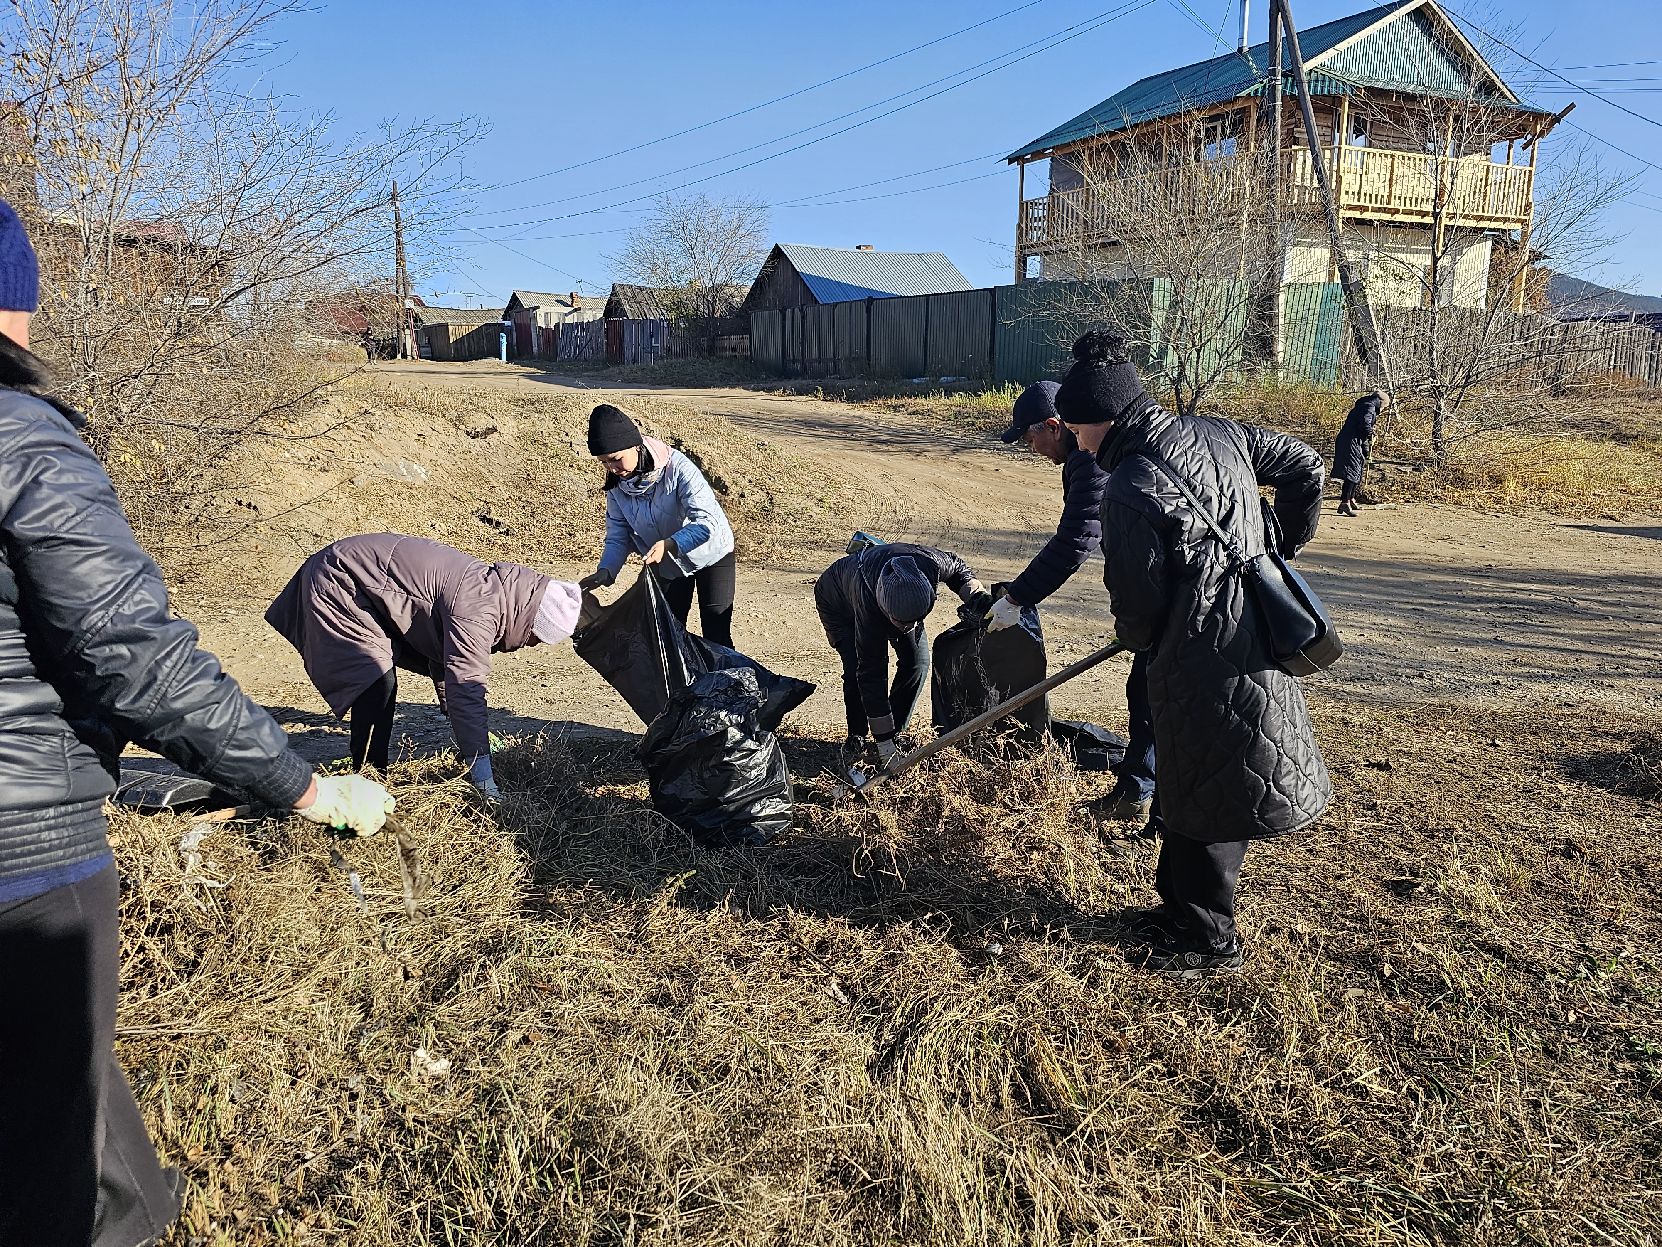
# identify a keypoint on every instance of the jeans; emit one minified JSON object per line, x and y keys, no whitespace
{"x":76,"y":1165}
{"x":1196,"y":882}
{"x":717,"y":586}
{"x":1137,"y":770}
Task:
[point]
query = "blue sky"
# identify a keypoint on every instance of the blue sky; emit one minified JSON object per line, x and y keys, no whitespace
{"x":562,"y":84}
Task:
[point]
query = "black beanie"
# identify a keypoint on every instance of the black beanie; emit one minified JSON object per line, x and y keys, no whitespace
{"x":611,"y":430}
{"x":1102,"y":385}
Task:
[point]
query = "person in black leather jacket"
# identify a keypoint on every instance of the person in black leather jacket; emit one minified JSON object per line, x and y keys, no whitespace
{"x":91,"y":658}
{"x":1238,"y":756}
{"x":875,"y":601}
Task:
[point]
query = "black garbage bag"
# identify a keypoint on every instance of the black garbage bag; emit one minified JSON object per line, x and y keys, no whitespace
{"x":640,"y":649}
{"x":975,"y":668}
{"x":713,"y":770}
{"x":156,"y":784}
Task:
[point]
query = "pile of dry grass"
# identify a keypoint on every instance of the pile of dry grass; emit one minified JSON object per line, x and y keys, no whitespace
{"x":499,"y":474}
{"x":909,"y":1021}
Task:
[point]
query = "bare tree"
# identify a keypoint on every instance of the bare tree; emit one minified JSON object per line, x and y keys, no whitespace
{"x":696,"y":251}
{"x":1468,"y":338}
{"x":1169,"y":234}
{"x":190,"y":233}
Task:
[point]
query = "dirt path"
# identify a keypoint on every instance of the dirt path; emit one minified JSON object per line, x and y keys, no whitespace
{"x":1435,"y":603}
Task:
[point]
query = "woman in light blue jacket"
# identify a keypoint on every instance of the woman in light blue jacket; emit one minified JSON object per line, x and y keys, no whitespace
{"x":659,"y":505}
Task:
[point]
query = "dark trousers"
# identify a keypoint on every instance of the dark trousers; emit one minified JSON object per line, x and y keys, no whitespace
{"x":1137,"y":770}
{"x":911,"y":670}
{"x":1196,"y":883}
{"x":1347,"y":490}
{"x":717,"y":586}
{"x":370,"y":719}
{"x":76,"y":1166}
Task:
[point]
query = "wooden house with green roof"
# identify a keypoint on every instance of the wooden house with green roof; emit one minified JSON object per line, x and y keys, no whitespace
{"x":1375,"y":77}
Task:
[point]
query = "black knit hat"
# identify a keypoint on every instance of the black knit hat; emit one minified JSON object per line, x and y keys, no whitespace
{"x":611,"y":430}
{"x":1102,"y":386}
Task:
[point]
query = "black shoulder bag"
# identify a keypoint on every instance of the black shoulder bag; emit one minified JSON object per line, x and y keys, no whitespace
{"x":1297,"y":628}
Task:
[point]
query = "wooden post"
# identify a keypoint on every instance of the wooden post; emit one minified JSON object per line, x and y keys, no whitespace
{"x":400,"y":278}
{"x":1273,"y":322}
{"x":1363,"y":325}
{"x":1021,"y":221}
{"x":1520,"y":281}
{"x":1341,"y":138}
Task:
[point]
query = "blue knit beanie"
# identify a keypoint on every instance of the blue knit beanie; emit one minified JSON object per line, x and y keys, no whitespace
{"x":19,"y":271}
{"x":903,"y":591}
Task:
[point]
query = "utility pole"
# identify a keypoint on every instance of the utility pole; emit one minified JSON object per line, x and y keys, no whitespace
{"x":1362,"y":321}
{"x":400,"y":277}
{"x":1278,"y":254}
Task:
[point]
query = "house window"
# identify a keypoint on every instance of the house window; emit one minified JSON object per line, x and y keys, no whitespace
{"x":1358,"y":132}
{"x":1221,"y":135}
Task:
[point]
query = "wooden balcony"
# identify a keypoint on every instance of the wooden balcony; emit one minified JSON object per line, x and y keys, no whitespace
{"x":1370,"y":184}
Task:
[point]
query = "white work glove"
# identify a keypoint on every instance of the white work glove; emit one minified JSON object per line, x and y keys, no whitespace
{"x":350,"y":803}
{"x":1006,"y":613}
{"x":484,"y":779}
{"x":885,"y":750}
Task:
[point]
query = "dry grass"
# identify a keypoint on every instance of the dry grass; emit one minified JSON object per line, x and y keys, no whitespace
{"x":909,"y":1022}
{"x":497,"y":473}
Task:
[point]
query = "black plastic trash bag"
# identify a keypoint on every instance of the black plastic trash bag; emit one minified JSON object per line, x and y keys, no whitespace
{"x":640,"y":649}
{"x":975,"y":668}
{"x":713,"y":770}
{"x":156,"y":784}
{"x":1093,"y":748}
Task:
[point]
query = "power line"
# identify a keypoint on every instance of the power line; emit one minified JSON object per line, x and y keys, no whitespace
{"x":1553,"y":72}
{"x":899,"y":177}
{"x":914,"y":190}
{"x":1079,"y":28}
{"x":1086,"y":28}
{"x":553,"y":268}
{"x":778,"y":99}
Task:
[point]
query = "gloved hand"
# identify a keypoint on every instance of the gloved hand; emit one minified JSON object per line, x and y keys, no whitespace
{"x":600,"y":578}
{"x":1006,"y":613}
{"x":349,"y":803}
{"x":977,"y":602}
{"x":885,"y":750}
{"x":479,"y":772}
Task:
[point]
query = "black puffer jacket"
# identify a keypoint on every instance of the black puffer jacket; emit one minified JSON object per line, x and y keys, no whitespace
{"x":86,"y":640}
{"x":1078,"y":533}
{"x":1238,"y":757}
{"x":846,"y":595}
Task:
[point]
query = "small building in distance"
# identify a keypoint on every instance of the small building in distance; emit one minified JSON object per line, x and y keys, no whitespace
{"x":537,"y":318}
{"x":457,"y":332}
{"x":795,"y":275}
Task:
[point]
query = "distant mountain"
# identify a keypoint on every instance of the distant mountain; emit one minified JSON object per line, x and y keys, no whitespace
{"x":1577,"y":298}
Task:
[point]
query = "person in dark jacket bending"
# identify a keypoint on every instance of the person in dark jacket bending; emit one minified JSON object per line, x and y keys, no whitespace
{"x":91,"y":658}
{"x":875,"y":601}
{"x":1035,"y":423}
{"x":1351,"y":449}
{"x":1238,"y":757}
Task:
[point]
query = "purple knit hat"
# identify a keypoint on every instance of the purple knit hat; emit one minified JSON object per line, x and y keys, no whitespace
{"x":19,"y":270}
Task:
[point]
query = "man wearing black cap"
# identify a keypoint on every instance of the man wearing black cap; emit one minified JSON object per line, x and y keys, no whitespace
{"x":1034,"y":422}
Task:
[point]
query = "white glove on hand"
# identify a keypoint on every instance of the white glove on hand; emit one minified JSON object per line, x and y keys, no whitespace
{"x":350,"y":803}
{"x":885,"y":750}
{"x":1006,"y":613}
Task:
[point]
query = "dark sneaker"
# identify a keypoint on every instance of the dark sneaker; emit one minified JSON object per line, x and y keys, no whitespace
{"x":1123,"y":805}
{"x":1186,"y":961}
{"x":1151,"y":830}
{"x":1151,"y":926}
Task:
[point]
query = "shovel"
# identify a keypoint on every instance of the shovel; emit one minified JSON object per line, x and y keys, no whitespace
{"x":860,"y":780}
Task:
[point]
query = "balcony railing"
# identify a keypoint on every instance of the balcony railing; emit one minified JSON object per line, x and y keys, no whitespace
{"x":1370,"y":183}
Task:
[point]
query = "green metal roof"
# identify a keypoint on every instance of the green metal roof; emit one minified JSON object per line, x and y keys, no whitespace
{"x":1406,"y":55}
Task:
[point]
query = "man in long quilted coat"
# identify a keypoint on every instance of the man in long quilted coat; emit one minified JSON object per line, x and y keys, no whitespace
{"x":1238,"y":757}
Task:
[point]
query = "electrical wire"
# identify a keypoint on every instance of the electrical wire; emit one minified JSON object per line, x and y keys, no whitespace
{"x":899,"y":177}
{"x":1059,"y":37}
{"x":778,"y":99}
{"x":1085,"y":28}
{"x":915,"y":190}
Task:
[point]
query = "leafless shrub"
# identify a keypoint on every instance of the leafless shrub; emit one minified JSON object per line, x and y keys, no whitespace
{"x":697,"y":252}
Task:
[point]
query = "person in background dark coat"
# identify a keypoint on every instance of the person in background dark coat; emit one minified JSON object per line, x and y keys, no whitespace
{"x":875,"y":601}
{"x":1238,"y":757}
{"x":1352,"y":447}
{"x":1034,"y":423}
{"x":91,"y":658}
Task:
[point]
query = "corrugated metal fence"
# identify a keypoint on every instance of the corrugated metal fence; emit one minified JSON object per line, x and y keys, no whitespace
{"x":1022,"y":333}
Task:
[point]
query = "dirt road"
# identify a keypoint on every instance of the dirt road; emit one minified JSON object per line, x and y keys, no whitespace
{"x":1435,"y":603}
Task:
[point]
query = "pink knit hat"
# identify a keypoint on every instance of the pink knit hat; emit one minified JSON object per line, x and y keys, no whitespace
{"x":557,"y":612}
